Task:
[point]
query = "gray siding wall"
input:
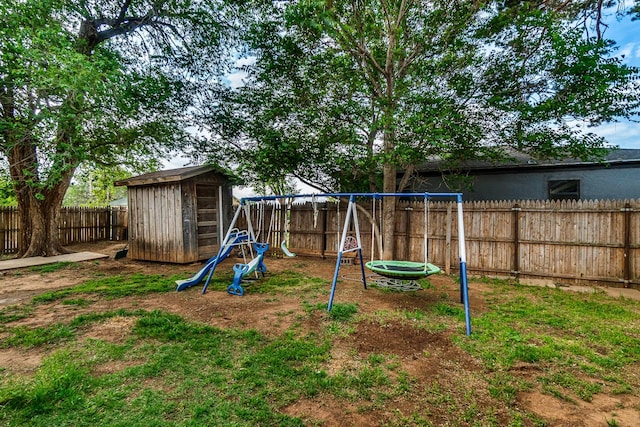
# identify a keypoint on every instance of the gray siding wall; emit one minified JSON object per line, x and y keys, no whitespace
{"x":610,"y":183}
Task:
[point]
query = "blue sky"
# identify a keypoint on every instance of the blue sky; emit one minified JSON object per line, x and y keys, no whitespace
{"x":627,"y":35}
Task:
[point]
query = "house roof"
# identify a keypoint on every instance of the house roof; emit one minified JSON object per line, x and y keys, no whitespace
{"x":166,"y":176}
{"x":119,"y":202}
{"x":619,"y":157}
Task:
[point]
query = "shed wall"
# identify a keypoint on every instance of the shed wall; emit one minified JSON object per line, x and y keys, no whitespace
{"x":156,"y":223}
{"x":179,"y":222}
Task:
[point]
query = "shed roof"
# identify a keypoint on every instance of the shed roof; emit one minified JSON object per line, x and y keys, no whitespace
{"x":520,"y":161}
{"x":166,"y":176}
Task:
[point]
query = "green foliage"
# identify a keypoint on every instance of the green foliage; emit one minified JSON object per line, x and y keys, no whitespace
{"x":99,"y":84}
{"x":94,"y":186}
{"x":7,"y":191}
{"x":337,"y":90}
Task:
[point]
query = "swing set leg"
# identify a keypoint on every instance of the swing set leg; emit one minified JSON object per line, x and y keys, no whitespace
{"x":335,"y":281}
{"x":364,"y":276}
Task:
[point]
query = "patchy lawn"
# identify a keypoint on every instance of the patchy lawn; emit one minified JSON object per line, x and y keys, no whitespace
{"x":110,"y":343}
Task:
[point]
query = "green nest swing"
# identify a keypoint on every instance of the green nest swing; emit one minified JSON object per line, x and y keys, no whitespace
{"x":404,"y":270}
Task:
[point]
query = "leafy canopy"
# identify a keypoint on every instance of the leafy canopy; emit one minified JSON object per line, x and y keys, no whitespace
{"x":338,"y":90}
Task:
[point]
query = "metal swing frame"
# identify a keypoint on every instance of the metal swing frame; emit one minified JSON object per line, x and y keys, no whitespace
{"x":352,"y":218}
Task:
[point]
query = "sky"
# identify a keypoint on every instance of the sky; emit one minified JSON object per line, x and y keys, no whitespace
{"x":627,"y":34}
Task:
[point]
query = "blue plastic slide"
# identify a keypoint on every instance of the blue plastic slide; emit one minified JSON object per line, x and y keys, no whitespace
{"x":234,"y":240}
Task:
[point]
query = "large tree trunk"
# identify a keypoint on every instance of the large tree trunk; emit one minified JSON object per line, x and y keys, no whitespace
{"x":42,"y":219}
{"x":389,"y":186}
{"x":388,"y":212}
{"x":39,"y":209}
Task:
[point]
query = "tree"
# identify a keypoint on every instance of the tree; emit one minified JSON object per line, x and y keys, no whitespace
{"x":93,"y":186}
{"x":102,"y":82}
{"x":344,"y":94}
{"x":7,"y":193}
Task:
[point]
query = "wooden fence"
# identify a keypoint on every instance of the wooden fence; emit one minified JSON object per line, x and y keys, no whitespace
{"x":577,"y":242}
{"x":77,"y":225}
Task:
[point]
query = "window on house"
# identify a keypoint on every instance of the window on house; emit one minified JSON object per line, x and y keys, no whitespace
{"x":564,"y":189}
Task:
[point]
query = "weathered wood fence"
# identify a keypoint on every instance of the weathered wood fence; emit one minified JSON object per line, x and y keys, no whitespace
{"x":579,"y":242}
{"x":77,"y":225}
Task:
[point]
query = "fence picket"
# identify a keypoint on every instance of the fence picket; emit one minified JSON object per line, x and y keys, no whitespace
{"x":77,"y":225}
{"x":590,"y":241}
{"x":564,"y":241}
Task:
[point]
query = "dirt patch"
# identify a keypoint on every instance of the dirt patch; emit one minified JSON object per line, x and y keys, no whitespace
{"x":601,"y":410}
{"x":114,"y":330}
{"x":15,"y":360}
{"x":432,"y":362}
{"x":327,"y":412}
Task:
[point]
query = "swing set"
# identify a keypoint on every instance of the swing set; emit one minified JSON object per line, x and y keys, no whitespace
{"x":398,"y":274}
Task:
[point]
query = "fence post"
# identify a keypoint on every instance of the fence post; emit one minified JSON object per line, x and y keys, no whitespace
{"x":323,"y":221}
{"x":627,"y":244}
{"x":447,"y":256}
{"x":516,"y":240}
{"x":3,"y":226}
{"x":407,"y":234}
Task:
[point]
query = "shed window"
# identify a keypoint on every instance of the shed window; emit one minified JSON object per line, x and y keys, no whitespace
{"x":564,"y":189}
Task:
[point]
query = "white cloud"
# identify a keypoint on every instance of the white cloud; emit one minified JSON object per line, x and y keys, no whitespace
{"x":623,"y":134}
{"x":176,"y":162}
{"x":241,"y":62}
{"x":630,"y":51}
{"x":236,"y":79}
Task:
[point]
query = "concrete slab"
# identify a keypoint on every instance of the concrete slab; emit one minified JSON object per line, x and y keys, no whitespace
{"x":40,"y":260}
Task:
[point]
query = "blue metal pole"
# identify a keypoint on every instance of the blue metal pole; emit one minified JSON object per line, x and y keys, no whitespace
{"x":377,"y":195}
{"x":222,"y":246}
{"x":335,"y":280}
{"x":465,"y":295}
{"x":364,"y":276}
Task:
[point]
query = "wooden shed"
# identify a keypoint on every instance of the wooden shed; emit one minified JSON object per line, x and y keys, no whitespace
{"x":178,"y":215}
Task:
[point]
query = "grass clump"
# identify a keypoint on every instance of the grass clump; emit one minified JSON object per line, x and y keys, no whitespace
{"x":53,"y":267}
{"x":113,"y":287}
{"x":60,"y":384}
{"x":578,"y":341}
{"x":33,"y":337}
{"x":13,"y":313}
{"x":343,"y":312}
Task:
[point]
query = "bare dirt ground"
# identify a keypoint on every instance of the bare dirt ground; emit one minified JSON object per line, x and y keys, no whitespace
{"x":430,"y":358}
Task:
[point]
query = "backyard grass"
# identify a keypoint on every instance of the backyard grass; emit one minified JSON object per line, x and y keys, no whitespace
{"x":168,"y":370}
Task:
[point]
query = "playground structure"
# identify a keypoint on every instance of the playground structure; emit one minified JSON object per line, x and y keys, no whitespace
{"x":350,"y":241}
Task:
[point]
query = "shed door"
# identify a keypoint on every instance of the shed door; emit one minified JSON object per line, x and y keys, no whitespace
{"x":207,"y":212}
